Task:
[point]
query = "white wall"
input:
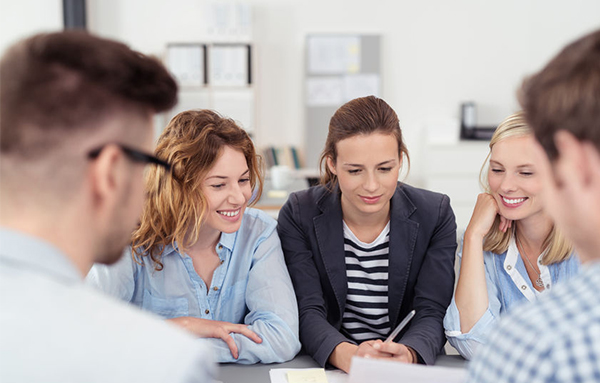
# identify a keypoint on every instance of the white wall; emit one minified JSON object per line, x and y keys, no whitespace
{"x":436,"y":53}
{"x":20,"y":18}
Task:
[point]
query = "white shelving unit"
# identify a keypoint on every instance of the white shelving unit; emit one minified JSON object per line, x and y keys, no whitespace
{"x":215,"y":75}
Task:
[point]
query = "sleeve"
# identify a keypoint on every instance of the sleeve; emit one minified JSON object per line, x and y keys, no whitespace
{"x":467,"y":343}
{"x":433,"y":288}
{"x":116,"y":280}
{"x":319,"y":338}
{"x":273,"y":311}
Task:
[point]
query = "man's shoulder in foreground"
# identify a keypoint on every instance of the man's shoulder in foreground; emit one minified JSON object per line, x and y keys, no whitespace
{"x":556,"y":339}
{"x":53,"y":328}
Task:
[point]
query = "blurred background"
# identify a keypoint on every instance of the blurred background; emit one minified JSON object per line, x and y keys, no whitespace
{"x":282,"y":67}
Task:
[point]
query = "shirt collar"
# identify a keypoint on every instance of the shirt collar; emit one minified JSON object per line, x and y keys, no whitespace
{"x":22,"y":250}
{"x":227,"y":240}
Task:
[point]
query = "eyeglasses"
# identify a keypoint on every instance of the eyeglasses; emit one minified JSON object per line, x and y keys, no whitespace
{"x":134,"y":155}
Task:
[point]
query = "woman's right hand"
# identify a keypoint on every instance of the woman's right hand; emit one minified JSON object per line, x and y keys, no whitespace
{"x":483,"y":217}
{"x":206,"y":328}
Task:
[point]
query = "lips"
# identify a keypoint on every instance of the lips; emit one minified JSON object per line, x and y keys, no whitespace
{"x":370,"y":200}
{"x":230,"y":215}
{"x":513,"y":202}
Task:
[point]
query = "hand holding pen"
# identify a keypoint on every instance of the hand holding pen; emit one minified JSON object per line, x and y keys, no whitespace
{"x":389,"y":349}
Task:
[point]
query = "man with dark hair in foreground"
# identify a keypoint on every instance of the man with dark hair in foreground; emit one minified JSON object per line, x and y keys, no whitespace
{"x":557,"y":339}
{"x":76,"y":129}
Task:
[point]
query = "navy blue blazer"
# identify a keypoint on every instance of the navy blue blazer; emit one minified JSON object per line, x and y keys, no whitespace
{"x":421,"y":266}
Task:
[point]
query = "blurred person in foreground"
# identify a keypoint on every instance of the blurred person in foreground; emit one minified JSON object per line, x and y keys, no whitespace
{"x":557,"y":339}
{"x":76,"y":124}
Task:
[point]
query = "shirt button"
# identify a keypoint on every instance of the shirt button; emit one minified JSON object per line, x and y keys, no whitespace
{"x":215,"y":288}
{"x":220,"y":247}
{"x":522,"y":287}
{"x":547,"y":286}
{"x":207,"y":311}
{"x":222,"y":260}
{"x":509,"y":267}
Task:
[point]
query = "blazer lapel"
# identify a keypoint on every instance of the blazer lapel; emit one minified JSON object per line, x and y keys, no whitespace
{"x":330,"y":237}
{"x":403,"y":237}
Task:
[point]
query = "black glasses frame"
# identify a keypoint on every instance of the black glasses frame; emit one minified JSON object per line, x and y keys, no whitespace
{"x":134,"y":155}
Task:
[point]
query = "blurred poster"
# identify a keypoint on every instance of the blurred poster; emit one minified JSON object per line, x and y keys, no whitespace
{"x":324,"y":91}
{"x":333,"y":54}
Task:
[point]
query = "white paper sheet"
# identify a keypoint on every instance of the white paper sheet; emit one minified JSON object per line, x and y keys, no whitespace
{"x":381,"y":371}
{"x":360,"y":85}
{"x":279,"y":375}
{"x":333,"y":54}
{"x":324,"y":91}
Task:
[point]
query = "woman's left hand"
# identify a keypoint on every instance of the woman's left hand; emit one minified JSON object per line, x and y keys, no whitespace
{"x":386,"y":350}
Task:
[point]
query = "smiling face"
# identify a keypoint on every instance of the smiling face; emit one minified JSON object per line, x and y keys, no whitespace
{"x":227,"y":189}
{"x":513,"y":178}
{"x":367,"y":168}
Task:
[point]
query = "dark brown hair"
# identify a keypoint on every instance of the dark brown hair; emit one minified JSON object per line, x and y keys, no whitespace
{"x":176,"y":205}
{"x":365,"y":115}
{"x":59,"y":83}
{"x":565,"y":95}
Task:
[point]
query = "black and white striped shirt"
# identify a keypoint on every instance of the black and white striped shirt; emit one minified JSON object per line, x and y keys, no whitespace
{"x":366,"y":312}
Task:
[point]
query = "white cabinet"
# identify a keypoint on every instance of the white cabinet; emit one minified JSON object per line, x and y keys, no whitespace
{"x":453,"y":169}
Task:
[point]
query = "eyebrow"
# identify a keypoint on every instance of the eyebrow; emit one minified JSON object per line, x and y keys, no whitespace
{"x":225,"y":177}
{"x":379,"y":164}
{"x":518,"y":167}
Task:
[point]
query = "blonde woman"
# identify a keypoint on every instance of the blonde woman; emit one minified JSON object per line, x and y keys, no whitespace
{"x":200,"y":257}
{"x":511,"y":252}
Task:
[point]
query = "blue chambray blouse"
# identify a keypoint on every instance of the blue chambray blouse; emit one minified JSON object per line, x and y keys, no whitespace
{"x":251,"y":286}
{"x":508,"y":285}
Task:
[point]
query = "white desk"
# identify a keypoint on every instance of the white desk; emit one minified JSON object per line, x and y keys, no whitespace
{"x":259,"y":373}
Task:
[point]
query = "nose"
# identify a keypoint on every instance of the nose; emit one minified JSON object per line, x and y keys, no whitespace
{"x":508,"y":184}
{"x":236,"y":196}
{"x":371,"y":183}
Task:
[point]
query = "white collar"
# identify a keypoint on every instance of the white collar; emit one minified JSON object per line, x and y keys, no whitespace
{"x":525,"y":286}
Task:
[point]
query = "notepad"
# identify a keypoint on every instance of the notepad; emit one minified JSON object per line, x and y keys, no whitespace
{"x":311,"y":375}
{"x":281,"y":375}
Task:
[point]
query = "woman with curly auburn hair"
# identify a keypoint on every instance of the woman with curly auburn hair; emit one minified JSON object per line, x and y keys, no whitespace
{"x":201,"y":258}
{"x":511,"y":252}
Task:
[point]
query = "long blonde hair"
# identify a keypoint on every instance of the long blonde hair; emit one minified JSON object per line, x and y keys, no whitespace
{"x":496,"y":241}
{"x":175,"y":207}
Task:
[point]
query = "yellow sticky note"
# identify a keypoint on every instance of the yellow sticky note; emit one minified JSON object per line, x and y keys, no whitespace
{"x":311,"y":375}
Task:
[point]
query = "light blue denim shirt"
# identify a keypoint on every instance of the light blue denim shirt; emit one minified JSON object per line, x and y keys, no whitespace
{"x":508,"y":285}
{"x":251,"y":286}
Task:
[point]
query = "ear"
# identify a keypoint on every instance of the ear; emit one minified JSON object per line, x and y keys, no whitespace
{"x":331,"y":165}
{"x":107,"y":177}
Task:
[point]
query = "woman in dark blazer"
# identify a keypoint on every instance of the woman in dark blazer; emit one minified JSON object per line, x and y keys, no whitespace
{"x":363,"y":250}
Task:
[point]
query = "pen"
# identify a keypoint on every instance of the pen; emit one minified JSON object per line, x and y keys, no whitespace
{"x":400,"y":326}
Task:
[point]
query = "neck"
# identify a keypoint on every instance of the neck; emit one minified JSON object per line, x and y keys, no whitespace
{"x":533,"y":233}
{"x":207,"y":240}
{"x":65,"y":235}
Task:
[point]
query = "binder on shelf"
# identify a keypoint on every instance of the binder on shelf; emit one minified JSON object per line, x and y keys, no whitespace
{"x":230,"y":64}
{"x":187,"y":63}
